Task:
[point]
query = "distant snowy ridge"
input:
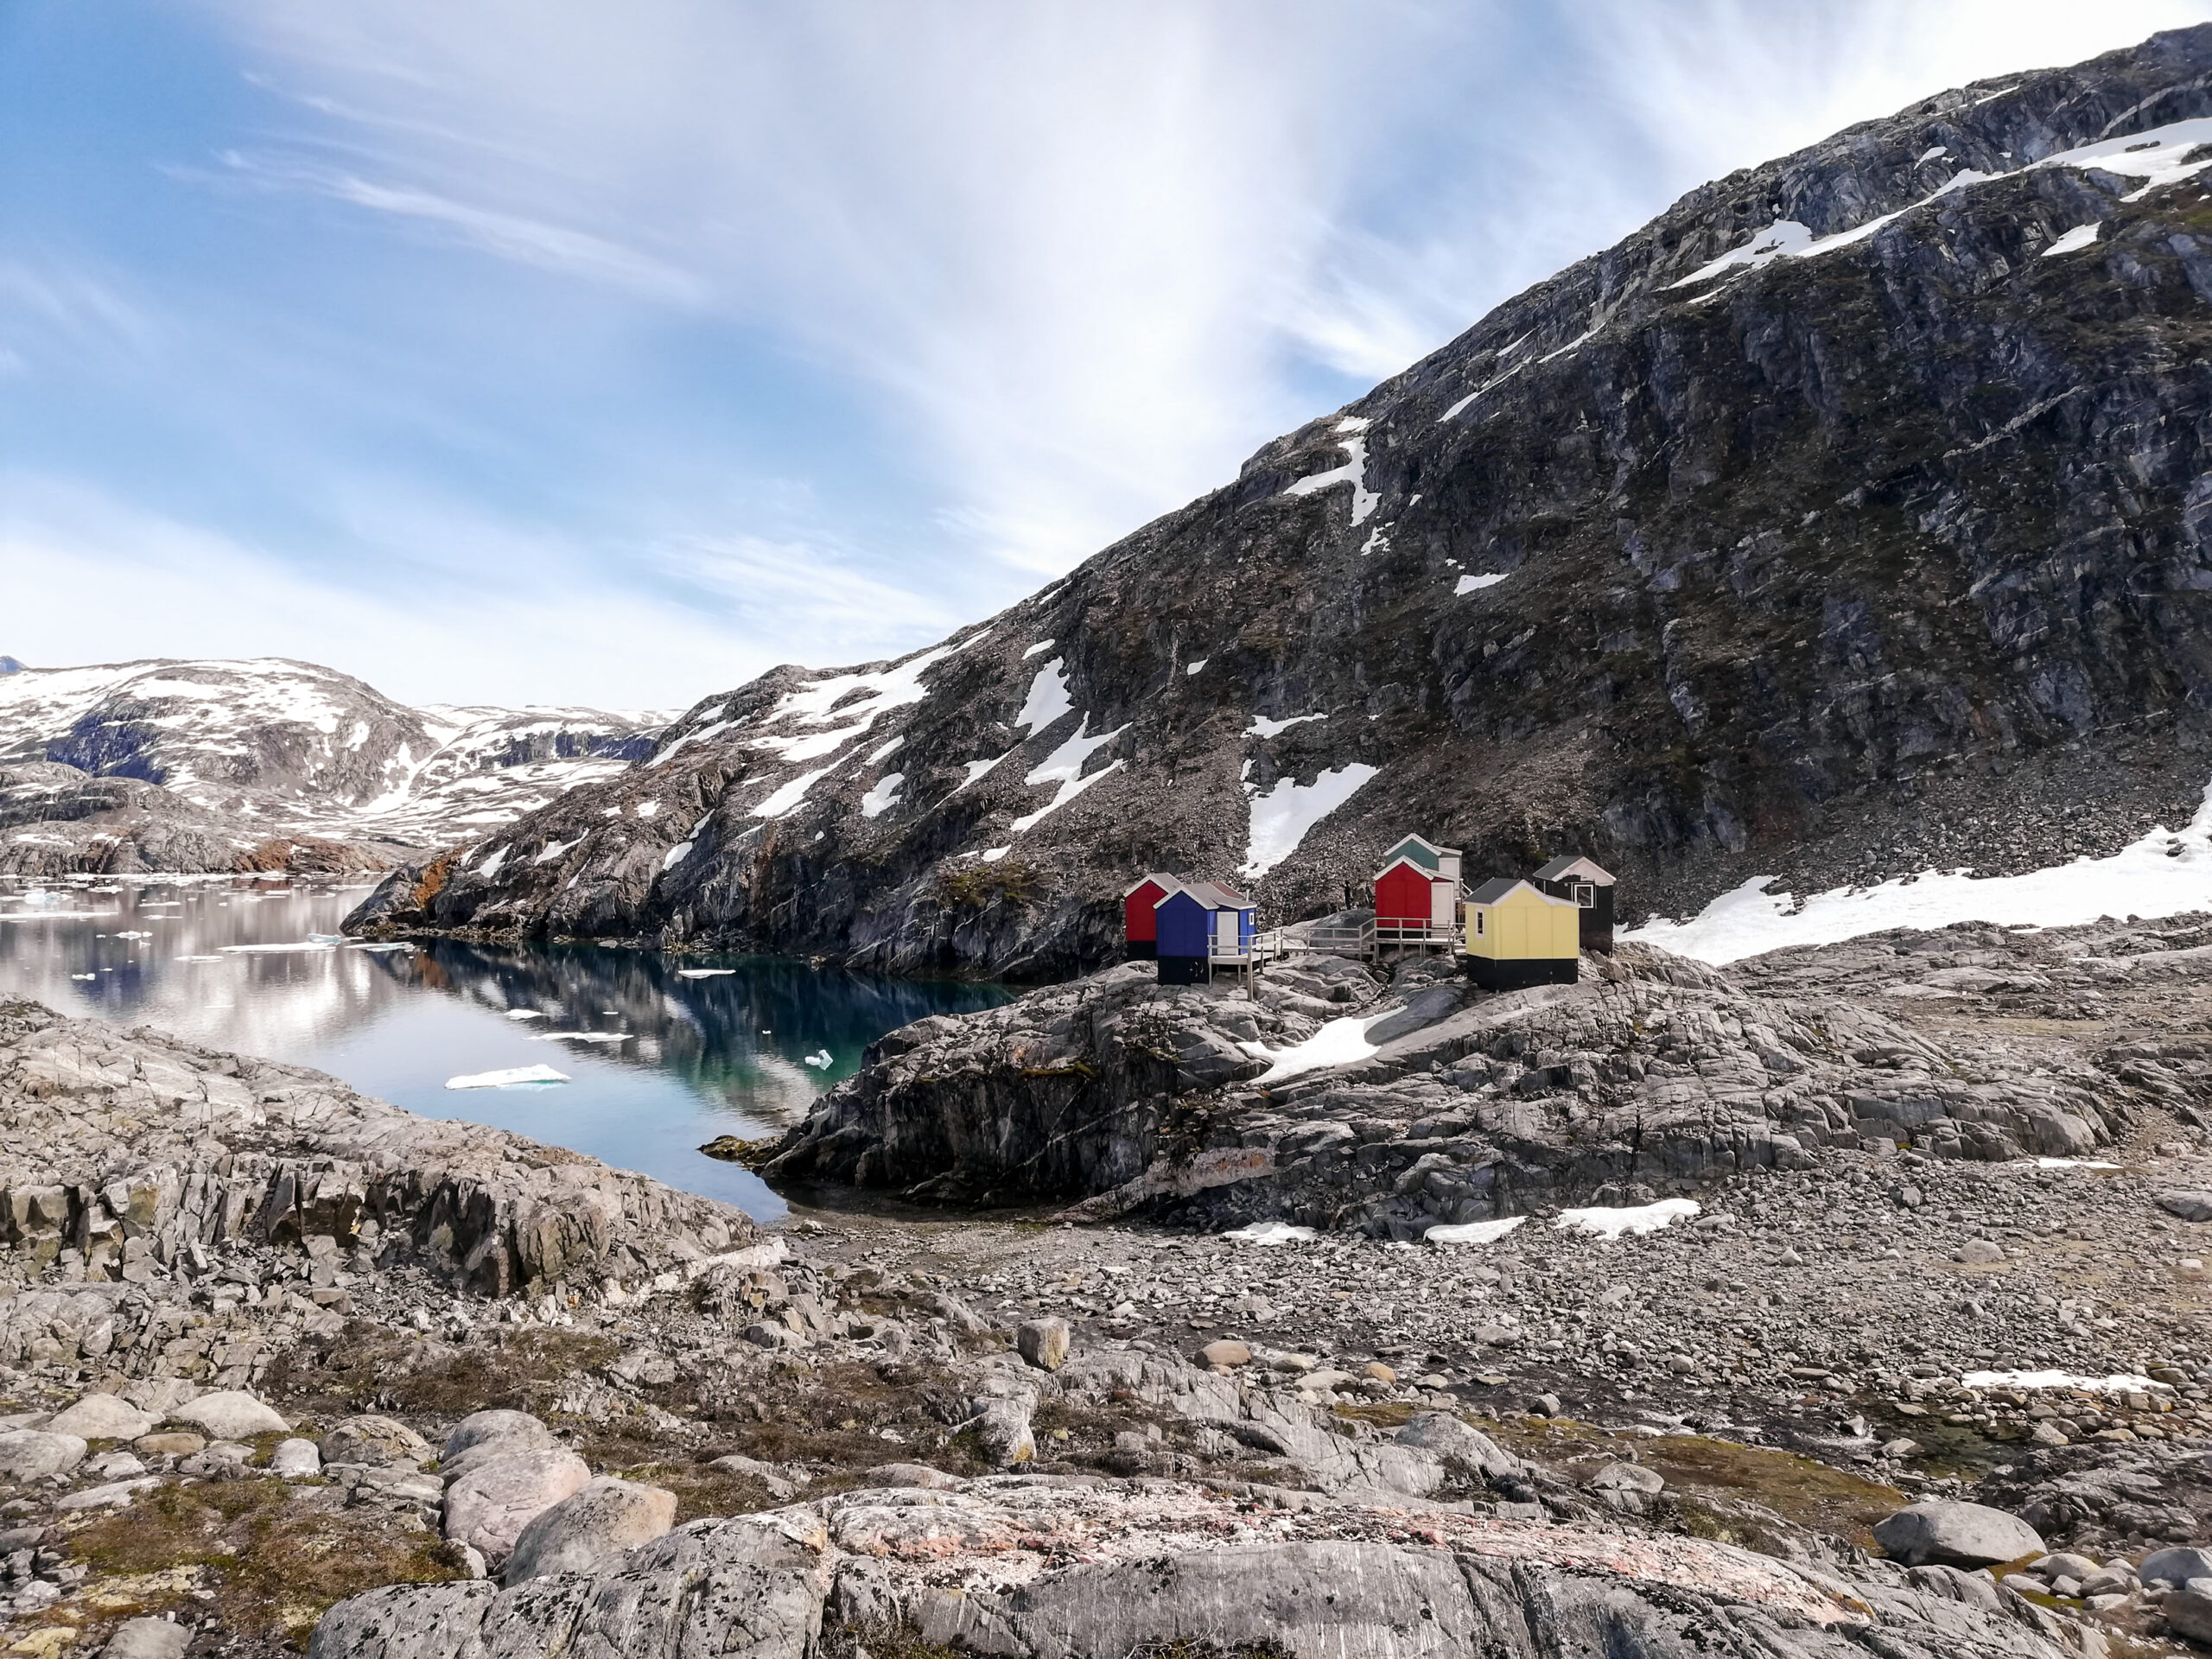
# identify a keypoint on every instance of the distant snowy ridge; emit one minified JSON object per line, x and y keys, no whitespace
{"x":276,"y":747}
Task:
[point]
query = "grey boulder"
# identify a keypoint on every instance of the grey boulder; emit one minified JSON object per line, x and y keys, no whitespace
{"x":1947,"y":1534}
{"x":29,"y":1454}
{"x":374,"y":1439}
{"x":488,"y":1504}
{"x":229,"y":1415}
{"x":295,"y":1460}
{"x":2189,"y":1206}
{"x":487,"y":1434}
{"x":2176,"y":1566}
{"x":148,"y":1638}
{"x":607,"y":1517}
{"x":102,"y":1417}
{"x":1043,"y":1343}
{"x":1440,"y":1433}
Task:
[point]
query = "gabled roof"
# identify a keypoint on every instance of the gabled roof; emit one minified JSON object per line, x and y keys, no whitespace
{"x":1428,"y":871}
{"x":1159,"y":878}
{"x":1424,"y":853}
{"x":1211,"y":895}
{"x":1575,"y":865}
{"x":1499,"y":885}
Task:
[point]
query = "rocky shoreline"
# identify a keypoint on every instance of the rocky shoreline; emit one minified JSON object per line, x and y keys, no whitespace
{"x":282,"y":1366}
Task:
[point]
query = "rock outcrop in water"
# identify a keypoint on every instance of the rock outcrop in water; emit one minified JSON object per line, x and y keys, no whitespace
{"x":187,"y":767}
{"x":1840,"y":523}
{"x":1440,"y":1104}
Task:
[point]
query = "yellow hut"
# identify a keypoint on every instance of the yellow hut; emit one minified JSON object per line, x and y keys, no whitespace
{"x":1518,"y":935}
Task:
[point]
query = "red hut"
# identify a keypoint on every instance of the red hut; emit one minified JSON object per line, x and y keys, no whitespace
{"x":1417,"y":892}
{"x":1140,"y":925}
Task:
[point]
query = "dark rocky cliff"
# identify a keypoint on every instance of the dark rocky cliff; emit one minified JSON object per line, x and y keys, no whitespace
{"x":1841,"y":560}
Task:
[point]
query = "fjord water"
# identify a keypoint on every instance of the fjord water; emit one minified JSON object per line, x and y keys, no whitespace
{"x":660,"y":1059}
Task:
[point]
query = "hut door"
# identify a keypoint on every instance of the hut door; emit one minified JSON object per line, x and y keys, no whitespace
{"x":1224,"y":933}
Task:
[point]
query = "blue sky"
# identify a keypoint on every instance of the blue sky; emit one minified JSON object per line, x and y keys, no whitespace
{"x":509,"y":350}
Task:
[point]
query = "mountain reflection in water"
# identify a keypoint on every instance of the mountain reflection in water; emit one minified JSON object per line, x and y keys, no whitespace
{"x":659,"y":1060}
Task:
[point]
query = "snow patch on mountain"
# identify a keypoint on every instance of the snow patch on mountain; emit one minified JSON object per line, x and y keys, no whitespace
{"x":1284,"y":812}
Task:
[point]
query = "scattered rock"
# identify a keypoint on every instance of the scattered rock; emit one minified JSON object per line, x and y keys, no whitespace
{"x":229,"y":1415}
{"x":1043,"y":1343}
{"x":295,"y":1460}
{"x":1950,"y":1533}
{"x":605,"y":1516}
{"x":29,"y":1454}
{"x":374,"y":1439}
{"x":102,"y":1417}
{"x":490,"y":1501}
{"x":148,"y":1638}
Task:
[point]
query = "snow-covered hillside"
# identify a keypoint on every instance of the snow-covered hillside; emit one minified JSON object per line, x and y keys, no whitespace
{"x":271,"y":749}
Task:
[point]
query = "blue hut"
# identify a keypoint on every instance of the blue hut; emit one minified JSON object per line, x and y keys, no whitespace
{"x":1200,"y":926}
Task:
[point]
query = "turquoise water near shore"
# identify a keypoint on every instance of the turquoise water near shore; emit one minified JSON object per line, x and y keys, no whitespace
{"x":661,"y":1057}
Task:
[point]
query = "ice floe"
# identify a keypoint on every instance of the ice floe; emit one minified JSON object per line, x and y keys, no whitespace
{"x":702,"y":973}
{"x":1286,"y":810}
{"x":509,"y":1078}
{"x":291,"y":947}
{"x":1603,"y":1221}
{"x":526,"y":1014}
{"x":581,"y":1037}
{"x":821,"y":1061}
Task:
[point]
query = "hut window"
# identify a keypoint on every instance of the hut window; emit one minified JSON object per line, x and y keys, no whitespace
{"x":1479,"y":916}
{"x":1586,"y":895}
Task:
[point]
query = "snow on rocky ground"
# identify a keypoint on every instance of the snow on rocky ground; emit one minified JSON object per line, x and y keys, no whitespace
{"x":2164,"y":874}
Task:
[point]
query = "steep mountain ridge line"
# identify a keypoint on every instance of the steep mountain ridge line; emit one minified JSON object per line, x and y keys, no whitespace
{"x":1876,"y":548}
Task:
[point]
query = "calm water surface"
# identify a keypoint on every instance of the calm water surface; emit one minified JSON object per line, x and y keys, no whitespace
{"x":658,"y":1061}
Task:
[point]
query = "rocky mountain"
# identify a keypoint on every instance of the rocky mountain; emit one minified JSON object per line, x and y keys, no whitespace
{"x":1846,"y":520}
{"x":200,"y":765}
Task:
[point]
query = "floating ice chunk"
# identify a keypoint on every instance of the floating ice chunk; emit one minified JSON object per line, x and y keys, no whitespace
{"x":198,"y":958}
{"x":274,"y":950}
{"x":2121,"y":1383}
{"x":513,"y":1076}
{"x":1603,"y":1221}
{"x":1283,"y":813}
{"x":84,"y":975}
{"x":1271,"y":1232}
{"x":702,"y":973}
{"x":883,"y":796}
{"x":581,"y":1037}
{"x":1475,"y":584}
{"x":1341,"y":1042}
{"x":57,"y":915}
{"x":1473,"y":1232}
{"x":821,"y":1061}
{"x":2075,"y":240}
{"x":526,"y":1014}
